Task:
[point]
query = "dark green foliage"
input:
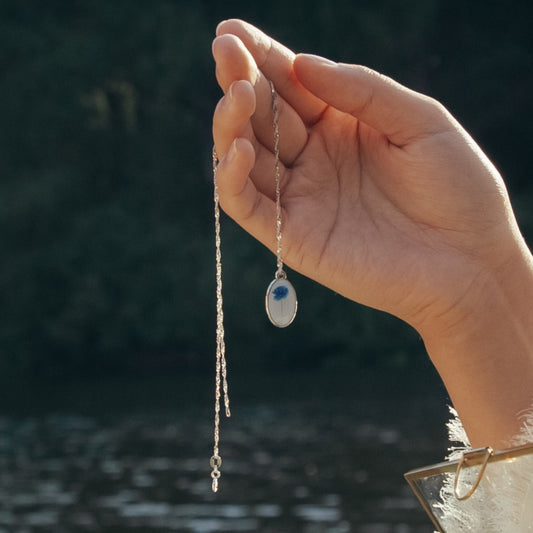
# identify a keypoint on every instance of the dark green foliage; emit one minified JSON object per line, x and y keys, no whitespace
{"x":105,"y":187}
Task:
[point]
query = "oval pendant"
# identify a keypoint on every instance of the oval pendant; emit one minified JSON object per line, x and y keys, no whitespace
{"x":281,"y":302}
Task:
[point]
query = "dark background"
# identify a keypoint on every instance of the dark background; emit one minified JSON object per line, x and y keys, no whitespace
{"x":106,"y":226}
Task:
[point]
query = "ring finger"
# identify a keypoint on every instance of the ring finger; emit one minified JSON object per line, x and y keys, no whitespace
{"x":232,"y":120}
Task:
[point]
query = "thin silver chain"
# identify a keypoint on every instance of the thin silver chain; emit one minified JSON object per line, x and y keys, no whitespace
{"x":221,"y":382}
{"x":221,"y":368}
{"x":280,"y":274}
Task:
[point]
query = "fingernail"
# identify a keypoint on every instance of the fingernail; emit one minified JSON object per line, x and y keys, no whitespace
{"x":219,"y":27}
{"x":319,"y":60}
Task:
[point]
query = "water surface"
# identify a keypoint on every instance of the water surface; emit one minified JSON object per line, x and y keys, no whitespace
{"x":299,"y":455}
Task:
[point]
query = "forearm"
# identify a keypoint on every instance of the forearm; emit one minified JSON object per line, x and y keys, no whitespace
{"x":484,"y":354}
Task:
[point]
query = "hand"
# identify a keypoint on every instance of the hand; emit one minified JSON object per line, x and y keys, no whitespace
{"x":386,"y":199}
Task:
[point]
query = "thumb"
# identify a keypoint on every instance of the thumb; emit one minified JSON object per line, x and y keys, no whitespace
{"x":399,"y":113}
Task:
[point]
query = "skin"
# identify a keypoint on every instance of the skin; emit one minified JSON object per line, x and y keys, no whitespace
{"x":387,"y":200}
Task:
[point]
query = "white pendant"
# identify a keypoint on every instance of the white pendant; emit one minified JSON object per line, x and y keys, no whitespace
{"x":281,"y":302}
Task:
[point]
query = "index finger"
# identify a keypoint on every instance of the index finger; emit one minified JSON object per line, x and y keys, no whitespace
{"x":276,"y":62}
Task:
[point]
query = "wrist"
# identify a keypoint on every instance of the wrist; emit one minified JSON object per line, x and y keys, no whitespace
{"x":483,"y":350}
{"x":501,"y":295}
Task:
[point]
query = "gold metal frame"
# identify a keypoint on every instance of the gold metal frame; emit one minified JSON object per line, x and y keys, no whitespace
{"x":471,"y":458}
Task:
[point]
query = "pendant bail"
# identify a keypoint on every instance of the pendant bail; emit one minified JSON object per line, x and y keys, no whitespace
{"x":280,"y":274}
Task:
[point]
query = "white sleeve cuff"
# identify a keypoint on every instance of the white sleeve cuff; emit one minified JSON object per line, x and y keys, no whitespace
{"x":503,"y":501}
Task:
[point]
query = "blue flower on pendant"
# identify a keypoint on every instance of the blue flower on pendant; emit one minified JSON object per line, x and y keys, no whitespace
{"x":280,"y":293}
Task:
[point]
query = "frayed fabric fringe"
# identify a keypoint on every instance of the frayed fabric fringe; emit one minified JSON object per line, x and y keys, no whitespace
{"x":503,"y":502}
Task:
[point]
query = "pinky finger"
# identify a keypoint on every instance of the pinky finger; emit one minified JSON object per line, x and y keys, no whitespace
{"x":238,"y":195}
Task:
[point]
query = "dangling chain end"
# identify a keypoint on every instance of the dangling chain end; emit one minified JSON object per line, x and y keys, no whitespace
{"x":216,"y":463}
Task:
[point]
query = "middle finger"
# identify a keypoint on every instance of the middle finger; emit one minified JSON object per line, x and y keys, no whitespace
{"x":234,"y":62}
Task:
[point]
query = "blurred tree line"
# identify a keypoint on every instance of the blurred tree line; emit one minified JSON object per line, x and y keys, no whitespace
{"x":106,"y":226}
